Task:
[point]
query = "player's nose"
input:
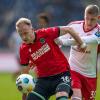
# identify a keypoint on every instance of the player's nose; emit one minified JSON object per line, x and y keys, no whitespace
{"x":24,"y":38}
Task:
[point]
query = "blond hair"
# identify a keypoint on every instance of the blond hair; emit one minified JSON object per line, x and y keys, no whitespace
{"x":92,"y":9}
{"x":23,"y":20}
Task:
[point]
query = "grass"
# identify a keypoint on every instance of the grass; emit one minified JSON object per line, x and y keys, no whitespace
{"x":8,"y":90}
{"x":98,"y":88}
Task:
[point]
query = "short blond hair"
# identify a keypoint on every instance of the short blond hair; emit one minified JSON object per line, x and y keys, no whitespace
{"x":92,"y":9}
{"x":23,"y":20}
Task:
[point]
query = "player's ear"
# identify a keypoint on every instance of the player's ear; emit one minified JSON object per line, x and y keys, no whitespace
{"x":99,"y":17}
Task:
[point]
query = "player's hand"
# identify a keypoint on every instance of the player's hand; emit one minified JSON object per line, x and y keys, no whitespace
{"x":81,"y":48}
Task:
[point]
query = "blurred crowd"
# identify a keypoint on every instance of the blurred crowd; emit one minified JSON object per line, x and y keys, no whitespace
{"x":60,"y":12}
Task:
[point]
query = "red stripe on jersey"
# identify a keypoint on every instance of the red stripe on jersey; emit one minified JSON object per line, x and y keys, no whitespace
{"x":90,"y":29}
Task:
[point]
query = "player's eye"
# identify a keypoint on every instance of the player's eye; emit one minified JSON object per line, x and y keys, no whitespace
{"x":25,"y":33}
{"x":93,"y":19}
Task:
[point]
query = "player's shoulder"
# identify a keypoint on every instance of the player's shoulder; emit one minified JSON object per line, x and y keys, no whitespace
{"x":39,"y":30}
{"x":24,"y":46}
{"x":44,"y":31}
{"x":76,"y":22}
{"x":40,"y":33}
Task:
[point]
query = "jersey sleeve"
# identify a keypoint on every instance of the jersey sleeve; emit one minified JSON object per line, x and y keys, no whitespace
{"x":24,"y":56}
{"x":52,"y":32}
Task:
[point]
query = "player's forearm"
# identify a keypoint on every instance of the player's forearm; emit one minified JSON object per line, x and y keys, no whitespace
{"x":74,"y":34}
{"x":68,"y":42}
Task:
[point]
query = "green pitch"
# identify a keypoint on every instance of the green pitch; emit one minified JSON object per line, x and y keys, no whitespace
{"x":8,"y":89}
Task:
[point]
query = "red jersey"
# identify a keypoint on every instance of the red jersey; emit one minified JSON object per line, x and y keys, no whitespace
{"x":45,"y":53}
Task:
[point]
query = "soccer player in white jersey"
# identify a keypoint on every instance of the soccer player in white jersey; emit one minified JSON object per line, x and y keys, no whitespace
{"x":83,"y":62}
{"x":39,"y":49}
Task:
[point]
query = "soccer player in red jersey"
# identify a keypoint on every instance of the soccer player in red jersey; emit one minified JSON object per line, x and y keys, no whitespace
{"x":53,"y":69}
{"x":84,"y":65}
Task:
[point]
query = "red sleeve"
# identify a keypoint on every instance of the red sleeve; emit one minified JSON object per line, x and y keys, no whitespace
{"x":51,"y":33}
{"x":24,"y":55}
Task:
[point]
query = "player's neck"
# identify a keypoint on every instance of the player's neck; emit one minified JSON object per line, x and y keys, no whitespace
{"x":33,"y":37}
{"x":88,"y":28}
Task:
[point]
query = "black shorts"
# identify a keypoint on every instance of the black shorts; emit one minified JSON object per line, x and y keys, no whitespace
{"x":47,"y":86}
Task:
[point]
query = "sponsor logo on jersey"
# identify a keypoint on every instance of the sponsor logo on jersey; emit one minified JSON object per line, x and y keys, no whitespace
{"x":45,"y":48}
{"x":97,"y":34}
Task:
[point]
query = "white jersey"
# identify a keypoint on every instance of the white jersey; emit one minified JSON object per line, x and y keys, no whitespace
{"x":84,"y":63}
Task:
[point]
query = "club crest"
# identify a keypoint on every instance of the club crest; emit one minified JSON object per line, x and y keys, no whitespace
{"x":42,"y":40}
{"x":97,"y":34}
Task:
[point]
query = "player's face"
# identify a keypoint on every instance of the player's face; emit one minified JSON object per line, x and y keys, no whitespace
{"x":26,"y":33}
{"x":90,"y":21}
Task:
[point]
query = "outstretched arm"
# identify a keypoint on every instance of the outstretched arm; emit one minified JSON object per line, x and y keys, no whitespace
{"x":66,"y":29}
{"x":68,"y":42}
